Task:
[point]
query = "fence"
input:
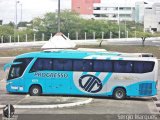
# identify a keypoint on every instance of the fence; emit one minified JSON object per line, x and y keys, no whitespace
{"x":72,"y":36}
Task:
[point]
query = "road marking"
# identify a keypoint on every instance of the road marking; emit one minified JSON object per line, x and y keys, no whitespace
{"x":51,"y":106}
{"x":156,"y":102}
{"x":55,"y":106}
{"x":48,"y":106}
{"x":22,"y":99}
{"x":156,"y":41}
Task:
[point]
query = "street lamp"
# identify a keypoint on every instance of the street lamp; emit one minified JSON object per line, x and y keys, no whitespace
{"x":16,"y":11}
{"x":21,"y":11}
{"x":15,"y":26}
{"x":59,"y":22}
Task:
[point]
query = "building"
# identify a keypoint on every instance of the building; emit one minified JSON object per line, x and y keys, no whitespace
{"x":121,"y":10}
{"x":124,"y":10}
{"x":84,"y":7}
{"x":152,"y":18}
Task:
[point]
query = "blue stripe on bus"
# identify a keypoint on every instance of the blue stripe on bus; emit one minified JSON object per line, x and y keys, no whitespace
{"x":107,"y":78}
{"x":97,"y":74}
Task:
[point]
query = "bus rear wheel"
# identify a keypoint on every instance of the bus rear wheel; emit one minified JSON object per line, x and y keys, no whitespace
{"x":119,"y":93}
{"x":35,"y":90}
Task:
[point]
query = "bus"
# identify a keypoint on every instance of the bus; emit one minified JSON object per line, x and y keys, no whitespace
{"x":73,"y":72}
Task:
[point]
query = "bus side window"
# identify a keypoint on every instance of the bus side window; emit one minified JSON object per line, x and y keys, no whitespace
{"x":58,"y":64}
{"x":148,"y":66}
{"x":78,"y":65}
{"x":98,"y":66}
{"x":67,"y":65}
{"x":108,"y":66}
{"x":143,"y":67}
{"x":138,"y":67}
{"x":87,"y":65}
{"x":62,"y":64}
{"x":123,"y":66}
{"x":42,"y":64}
{"x":47,"y":64}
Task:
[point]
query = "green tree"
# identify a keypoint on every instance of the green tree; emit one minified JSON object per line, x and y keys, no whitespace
{"x":6,"y":31}
{"x":143,"y":36}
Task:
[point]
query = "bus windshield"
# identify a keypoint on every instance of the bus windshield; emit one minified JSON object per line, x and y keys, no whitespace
{"x":18,"y":69}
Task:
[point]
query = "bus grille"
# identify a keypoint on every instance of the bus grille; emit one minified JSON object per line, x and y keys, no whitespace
{"x":145,"y":89}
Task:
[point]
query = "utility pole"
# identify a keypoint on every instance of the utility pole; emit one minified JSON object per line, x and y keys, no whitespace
{"x":59,"y":21}
{"x":15,"y":26}
{"x":21,"y":12}
{"x":16,"y":11}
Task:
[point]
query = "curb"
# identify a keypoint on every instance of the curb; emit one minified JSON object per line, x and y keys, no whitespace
{"x":51,"y":106}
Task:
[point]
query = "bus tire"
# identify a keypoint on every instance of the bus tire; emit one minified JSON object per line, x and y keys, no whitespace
{"x":35,"y":90}
{"x":119,"y":93}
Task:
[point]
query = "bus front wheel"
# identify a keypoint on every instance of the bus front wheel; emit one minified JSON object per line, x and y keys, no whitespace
{"x":119,"y":93}
{"x":35,"y":90}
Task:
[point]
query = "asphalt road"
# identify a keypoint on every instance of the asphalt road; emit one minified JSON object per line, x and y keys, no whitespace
{"x":100,"y":108}
{"x":139,"y":42}
{"x":155,"y":42}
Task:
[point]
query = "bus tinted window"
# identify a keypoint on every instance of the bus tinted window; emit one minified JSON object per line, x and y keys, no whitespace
{"x":138,"y":67}
{"x":67,"y":65}
{"x":102,"y":66}
{"x":62,"y":64}
{"x":143,"y":67}
{"x":82,"y":65}
{"x":108,"y":66}
{"x":87,"y":65}
{"x":25,"y":61}
{"x":58,"y":64}
{"x":123,"y":66}
{"x":117,"y":66}
{"x":42,"y":64}
{"x":98,"y":66}
{"x":78,"y":65}
{"x":17,"y":70}
{"x":148,"y":66}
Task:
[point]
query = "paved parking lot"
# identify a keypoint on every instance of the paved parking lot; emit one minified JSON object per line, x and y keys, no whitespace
{"x":97,"y":106}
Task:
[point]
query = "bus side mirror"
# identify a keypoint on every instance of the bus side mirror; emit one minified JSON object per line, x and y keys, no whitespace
{"x":6,"y":66}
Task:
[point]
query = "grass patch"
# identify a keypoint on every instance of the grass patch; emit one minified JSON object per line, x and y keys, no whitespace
{"x":119,"y":48}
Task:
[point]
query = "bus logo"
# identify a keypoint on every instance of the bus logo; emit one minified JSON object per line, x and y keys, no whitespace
{"x":90,"y":83}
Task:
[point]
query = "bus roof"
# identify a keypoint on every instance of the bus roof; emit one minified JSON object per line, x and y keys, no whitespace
{"x":75,"y":54}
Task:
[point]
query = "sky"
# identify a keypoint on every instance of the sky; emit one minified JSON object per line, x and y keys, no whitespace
{"x":33,"y":8}
{"x":30,"y":8}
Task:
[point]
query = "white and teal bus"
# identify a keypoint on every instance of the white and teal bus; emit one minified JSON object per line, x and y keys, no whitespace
{"x":71,"y":72}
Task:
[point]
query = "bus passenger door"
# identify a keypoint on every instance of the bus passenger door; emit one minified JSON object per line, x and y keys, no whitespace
{"x":63,"y":75}
{"x":61,"y":83}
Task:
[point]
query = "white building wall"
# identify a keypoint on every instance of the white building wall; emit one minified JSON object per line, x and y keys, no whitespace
{"x":152,"y":18}
{"x":112,"y":10}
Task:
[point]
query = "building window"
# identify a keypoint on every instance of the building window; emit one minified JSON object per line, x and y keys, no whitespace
{"x":114,"y":16}
{"x":104,"y":15}
{"x":121,"y":8}
{"x":97,"y":15}
{"x":97,"y":8}
{"x":154,"y":29}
